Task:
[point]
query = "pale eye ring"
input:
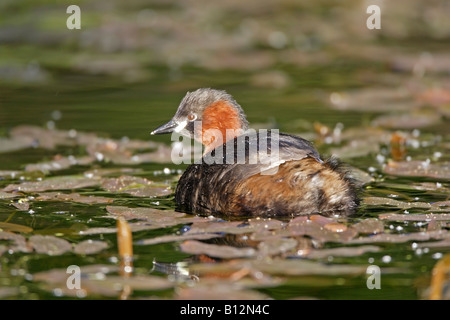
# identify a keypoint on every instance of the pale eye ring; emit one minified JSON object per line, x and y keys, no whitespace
{"x":192,"y":116}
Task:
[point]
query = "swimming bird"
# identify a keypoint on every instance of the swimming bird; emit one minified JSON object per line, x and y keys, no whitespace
{"x":234,"y":176}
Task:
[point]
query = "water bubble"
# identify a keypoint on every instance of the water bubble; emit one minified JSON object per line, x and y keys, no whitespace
{"x":185,"y":229}
{"x":277,"y":40}
{"x":166,"y":171}
{"x":50,"y":125}
{"x":386,"y":259}
{"x":56,"y":115}
{"x":437,"y":255}
{"x":57,"y":292}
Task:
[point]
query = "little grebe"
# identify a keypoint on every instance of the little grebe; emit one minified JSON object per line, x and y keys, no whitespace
{"x":297,"y":183}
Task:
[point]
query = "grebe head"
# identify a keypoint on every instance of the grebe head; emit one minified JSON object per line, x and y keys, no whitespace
{"x":209,"y":109}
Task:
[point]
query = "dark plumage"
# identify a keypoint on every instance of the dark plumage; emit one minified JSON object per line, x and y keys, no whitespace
{"x":298,"y":183}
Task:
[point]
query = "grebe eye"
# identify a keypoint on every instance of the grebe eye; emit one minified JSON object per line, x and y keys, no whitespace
{"x":192,"y":117}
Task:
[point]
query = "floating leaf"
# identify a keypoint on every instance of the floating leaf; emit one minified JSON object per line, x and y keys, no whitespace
{"x":22,"y":204}
{"x":6,"y":226}
{"x":90,"y":247}
{"x":373,"y":99}
{"x":234,"y":227}
{"x":55,"y":183}
{"x":342,"y":252}
{"x":319,"y":232}
{"x":293,"y":267}
{"x":75,"y":197}
{"x":7,"y":195}
{"x":174,"y":238}
{"x":216,"y":251}
{"x":95,"y":281}
{"x":9,"y":173}
{"x":19,"y":242}
{"x":412,"y":120}
{"x":219,"y":292}
{"x":14,"y":144}
{"x":273,"y":247}
{"x":50,"y":245}
{"x":101,"y":172}
{"x":400,"y":238}
{"x":3,"y":249}
{"x":418,"y":169}
{"x":369,"y":226}
{"x":6,"y":292}
{"x":415,"y":217}
{"x":435,"y":244}
{"x":135,"y":227}
{"x":378,"y":201}
{"x":59,"y":163}
{"x":136,"y":186}
{"x":355,"y":148}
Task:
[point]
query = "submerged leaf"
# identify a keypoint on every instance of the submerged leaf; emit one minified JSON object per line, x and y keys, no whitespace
{"x":50,"y":245}
{"x":6,"y":226}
